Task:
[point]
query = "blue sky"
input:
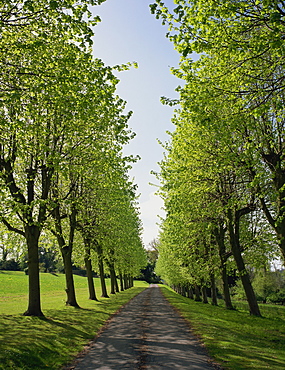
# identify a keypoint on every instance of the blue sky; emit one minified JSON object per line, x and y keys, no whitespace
{"x":129,"y":32}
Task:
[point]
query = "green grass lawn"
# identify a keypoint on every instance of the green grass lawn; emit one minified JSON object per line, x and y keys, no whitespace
{"x":37,"y":343}
{"x":235,"y":339}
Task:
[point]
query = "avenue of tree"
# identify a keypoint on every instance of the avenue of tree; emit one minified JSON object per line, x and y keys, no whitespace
{"x":223,"y":175}
{"x":63,"y":176}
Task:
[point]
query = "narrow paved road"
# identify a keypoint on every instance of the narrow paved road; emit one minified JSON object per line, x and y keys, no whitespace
{"x":146,"y":334}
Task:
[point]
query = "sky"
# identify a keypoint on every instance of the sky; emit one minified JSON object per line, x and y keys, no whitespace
{"x":129,"y":32}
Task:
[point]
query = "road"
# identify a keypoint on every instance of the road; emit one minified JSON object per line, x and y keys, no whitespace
{"x":147,"y":334}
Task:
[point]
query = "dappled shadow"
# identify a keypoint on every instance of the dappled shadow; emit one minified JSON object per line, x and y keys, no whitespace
{"x":169,"y":343}
{"x":147,"y":334}
{"x":44,"y":343}
{"x":239,"y":338}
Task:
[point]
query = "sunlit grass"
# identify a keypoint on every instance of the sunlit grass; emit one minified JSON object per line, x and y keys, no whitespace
{"x":35,"y":343}
{"x":235,"y":339}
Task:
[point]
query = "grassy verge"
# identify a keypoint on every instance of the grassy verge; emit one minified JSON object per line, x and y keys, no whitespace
{"x":235,"y":339}
{"x":35,"y":343}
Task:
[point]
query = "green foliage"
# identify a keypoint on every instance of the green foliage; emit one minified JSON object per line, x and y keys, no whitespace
{"x":224,"y":163}
{"x":48,"y":260}
{"x":62,"y":132}
{"x":148,"y":272}
{"x":270,"y":286}
{"x":10,"y":265}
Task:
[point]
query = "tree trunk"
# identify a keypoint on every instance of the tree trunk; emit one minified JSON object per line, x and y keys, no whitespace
{"x":66,"y":252}
{"x":214,"y":300}
{"x":112,"y":277}
{"x":236,"y":250}
{"x":197,"y":294}
{"x":126,"y":283}
{"x":190,"y":292}
{"x":88,"y":265}
{"x":32,"y":234}
{"x":204,"y":294}
{"x":101,"y":270}
{"x":70,"y":289}
{"x":121,"y":282}
{"x":102,"y":278}
{"x":116,"y":283}
{"x":226,"y":289}
{"x":220,"y":239}
{"x":129,"y":281}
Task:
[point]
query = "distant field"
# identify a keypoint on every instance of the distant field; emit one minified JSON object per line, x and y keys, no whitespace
{"x":36,"y":343}
{"x":14,"y":290}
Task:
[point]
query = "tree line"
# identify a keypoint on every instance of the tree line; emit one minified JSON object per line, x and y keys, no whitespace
{"x":63,"y":176}
{"x":223,"y":174}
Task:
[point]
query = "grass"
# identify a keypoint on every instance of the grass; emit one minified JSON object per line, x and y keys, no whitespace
{"x":235,"y":339}
{"x":53,"y":341}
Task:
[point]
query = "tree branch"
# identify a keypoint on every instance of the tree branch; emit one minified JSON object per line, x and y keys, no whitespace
{"x":12,"y":228}
{"x":267,"y":213}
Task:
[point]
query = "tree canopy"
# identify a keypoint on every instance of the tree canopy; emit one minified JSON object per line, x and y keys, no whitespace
{"x":63,"y":129}
{"x":226,"y":156}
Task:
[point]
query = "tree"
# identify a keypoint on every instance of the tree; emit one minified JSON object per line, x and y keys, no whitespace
{"x":204,"y":185}
{"x":242,"y":65}
{"x":32,"y":106}
{"x":152,"y":253}
{"x":235,"y":93}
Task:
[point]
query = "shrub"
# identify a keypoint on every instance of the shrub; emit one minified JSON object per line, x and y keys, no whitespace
{"x":10,"y":265}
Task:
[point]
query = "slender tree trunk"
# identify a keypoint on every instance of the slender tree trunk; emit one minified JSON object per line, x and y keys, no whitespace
{"x":112,"y":277}
{"x":190,"y":292}
{"x":204,"y":294}
{"x":236,"y":250}
{"x":70,"y":288}
{"x":32,"y":233}
{"x":129,"y":281}
{"x":88,"y":265}
{"x":116,"y":283}
{"x":226,"y":289}
{"x":66,"y":251}
{"x":220,"y":239}
{"x":197,"y":294}
{"x":126,"y":283}
{"x":101,"y":271}
{"x":102,"y":277}
{"x":214,"y":299}
{"x":121,"y":282}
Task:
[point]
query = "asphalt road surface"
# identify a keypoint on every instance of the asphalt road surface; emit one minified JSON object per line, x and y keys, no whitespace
{"x":146,"y":334}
